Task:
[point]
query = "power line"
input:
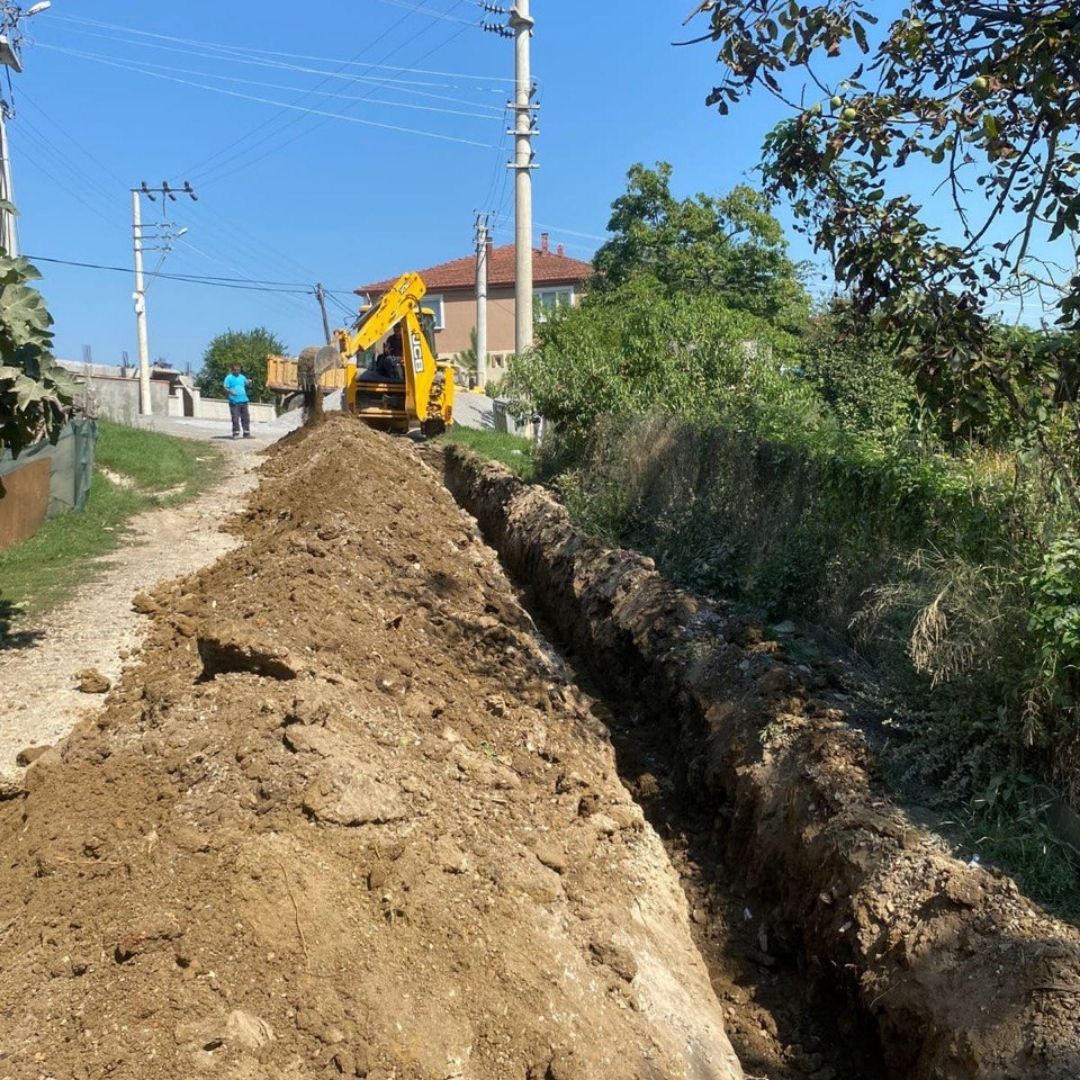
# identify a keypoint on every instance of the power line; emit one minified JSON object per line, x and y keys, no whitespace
{"x":500,"y":168}
{"x":239,"y":239}
{"x":290,"y":299}
{"x":50,"y":172}
{"x":561,"y":229}
{"x":280,"y":146}
{"x":431,"y":14}
{"x":252,"y":51}
{"x":113,"y":61}
{"x":280,"y":65}
{"x":297,"y":108}
{"x":87,"y":181}
{"x":23,"y":96}
{"x":191,"y":279}
{"x":270,"y":121}
{"x":223,"y":223}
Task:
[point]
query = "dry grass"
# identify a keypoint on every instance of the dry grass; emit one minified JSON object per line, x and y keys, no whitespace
{"x":951,"y":617}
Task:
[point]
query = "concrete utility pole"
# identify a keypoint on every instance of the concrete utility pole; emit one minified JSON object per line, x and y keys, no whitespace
{"x":145,"y":406}
{"x":9,"y":237}
{"x":524,"y":131}
{"x":11,"y":15}
{"x":320,"y":295}
{"x":521,"y":23}
{"x":139,"y":296}
{"x":481,"y":299}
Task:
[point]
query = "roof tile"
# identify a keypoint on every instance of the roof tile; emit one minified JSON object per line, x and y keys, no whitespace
{"x":549,"y":268}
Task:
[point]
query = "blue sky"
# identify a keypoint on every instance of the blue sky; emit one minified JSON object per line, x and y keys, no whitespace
{"x":117,"y":92}
{"x":292,"y":197}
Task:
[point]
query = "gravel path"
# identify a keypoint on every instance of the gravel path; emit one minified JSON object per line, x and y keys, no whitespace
{"x":39,"y":703}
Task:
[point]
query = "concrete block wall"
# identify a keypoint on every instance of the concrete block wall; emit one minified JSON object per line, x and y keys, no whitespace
{"x":218,"y":409}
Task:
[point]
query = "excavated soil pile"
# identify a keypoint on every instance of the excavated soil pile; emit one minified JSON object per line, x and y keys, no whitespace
{"x":956,"y":973}
{"x":344,"y":818}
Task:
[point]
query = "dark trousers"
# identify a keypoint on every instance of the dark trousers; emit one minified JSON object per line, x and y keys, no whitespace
{"x":241,"y":415}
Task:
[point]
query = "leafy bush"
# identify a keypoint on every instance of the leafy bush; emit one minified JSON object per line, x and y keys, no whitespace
{"x":632,"y":350}
{"x":1055,"y":626}
{"x":857,"y":376}
{"x":793,"y":476}
{"x":35,"y":392}
{"x":809,"y":470}
{"x":249,"y":349}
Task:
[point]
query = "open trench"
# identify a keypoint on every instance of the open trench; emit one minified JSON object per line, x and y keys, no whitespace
{"x":844,"y":938}
{"x":785,"y":1020}
{"x":347,"y":814}
{"x":343,"y":815}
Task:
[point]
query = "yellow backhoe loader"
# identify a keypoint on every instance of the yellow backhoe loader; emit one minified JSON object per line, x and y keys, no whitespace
{"x":403,"y":383}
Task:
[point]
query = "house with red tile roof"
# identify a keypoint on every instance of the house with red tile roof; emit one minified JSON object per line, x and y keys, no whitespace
{"x":558,"y":280}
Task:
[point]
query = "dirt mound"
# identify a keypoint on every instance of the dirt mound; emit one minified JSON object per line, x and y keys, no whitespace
{"x":956,"y":973}
{"x":344,"y":818}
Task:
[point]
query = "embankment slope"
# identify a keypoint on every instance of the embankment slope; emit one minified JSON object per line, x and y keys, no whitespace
{"x":344,"y":817}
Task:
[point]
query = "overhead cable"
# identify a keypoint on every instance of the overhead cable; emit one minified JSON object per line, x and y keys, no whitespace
{"x":191,"y":279}
{"x":217,"y":174}
{"x":232,"y":154}
{"x":140,"y":65}
{"x":282,"y":65}
{"x":251,"y":50}
{"x":298,"y":108}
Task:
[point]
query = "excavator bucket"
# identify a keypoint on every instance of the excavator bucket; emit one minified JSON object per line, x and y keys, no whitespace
{"x":405,"y":385}
{"x":313,"y":363}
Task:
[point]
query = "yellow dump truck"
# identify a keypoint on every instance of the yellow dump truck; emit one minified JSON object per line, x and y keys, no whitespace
{"x":389,"y":388}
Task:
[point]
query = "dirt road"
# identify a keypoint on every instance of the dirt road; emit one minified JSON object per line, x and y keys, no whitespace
{"x":346,"y":817}
{"x":97,"y":627}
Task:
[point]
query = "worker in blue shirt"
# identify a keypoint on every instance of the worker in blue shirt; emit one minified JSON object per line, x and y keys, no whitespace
{"x":236,"y":387}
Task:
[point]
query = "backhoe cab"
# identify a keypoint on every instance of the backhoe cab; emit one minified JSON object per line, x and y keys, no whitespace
{"x":401,"y":383}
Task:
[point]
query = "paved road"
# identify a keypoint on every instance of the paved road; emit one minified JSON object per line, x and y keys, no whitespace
{"x":474,"y":411}
{"x":221,"y":429}
{"x":470,"y":410}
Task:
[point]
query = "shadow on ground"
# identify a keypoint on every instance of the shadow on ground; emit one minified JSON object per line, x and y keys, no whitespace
{"x":10,"y":638}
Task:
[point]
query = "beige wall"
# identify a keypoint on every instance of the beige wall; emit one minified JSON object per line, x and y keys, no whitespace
{"x":459,"y":319}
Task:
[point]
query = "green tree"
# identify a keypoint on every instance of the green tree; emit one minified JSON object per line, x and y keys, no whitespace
{"x":35,"y":392}
{"x":986,"y":92}
{"x":856,"y":375}
{"x":730,"y":247}
{"x":249,"y":349}
{"x":467,"y":359}
{"x":630,"y":351}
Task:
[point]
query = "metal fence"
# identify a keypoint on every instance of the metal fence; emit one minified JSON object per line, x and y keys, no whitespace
{"x":46,"y":480}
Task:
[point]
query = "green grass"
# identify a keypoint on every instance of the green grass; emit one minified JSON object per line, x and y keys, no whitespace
{"x":43,"y":571}
{"x":512,"y":451}
{"x":157,"y":463}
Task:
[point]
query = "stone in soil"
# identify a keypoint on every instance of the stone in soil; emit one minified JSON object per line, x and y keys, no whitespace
{"x":301,"y":842}
{"x":91,"y":681}
{"x":28,"y":756}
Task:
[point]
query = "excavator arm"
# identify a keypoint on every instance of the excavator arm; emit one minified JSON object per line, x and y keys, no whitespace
{"x":405,"y":296}
{"x":427,"y":394}
{"x":426,"y":391}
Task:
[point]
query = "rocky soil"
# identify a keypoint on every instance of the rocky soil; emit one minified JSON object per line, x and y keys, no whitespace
{"x":744,"y":758}
{"x":346,"y":816}
{"x":97,"y":629}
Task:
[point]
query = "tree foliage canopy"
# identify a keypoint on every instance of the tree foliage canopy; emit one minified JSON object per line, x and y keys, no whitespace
{"x":35,"y":392}
{"x":249,"y":349}
{"x":730,"y":246}
{"x":985,"y":91}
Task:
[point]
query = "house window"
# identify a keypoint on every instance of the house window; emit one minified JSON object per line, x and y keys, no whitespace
{"x":549,"y":299}
{"x":435,"y":305}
